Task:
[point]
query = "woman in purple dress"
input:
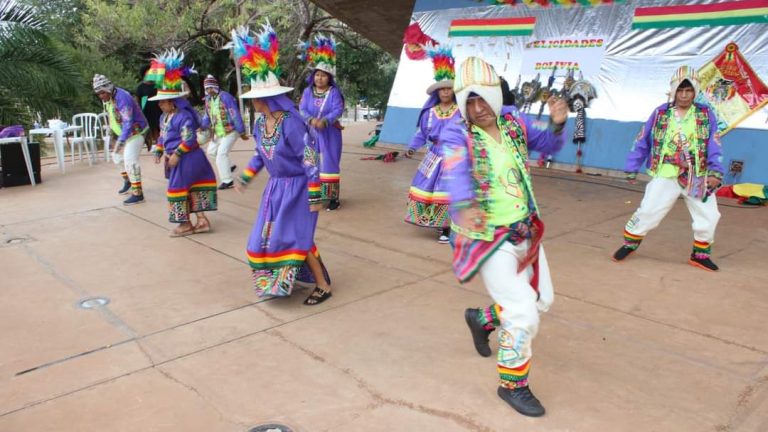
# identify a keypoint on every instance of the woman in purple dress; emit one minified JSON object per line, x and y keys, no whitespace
{"x":281,"y":246}
{"x":428,"y":197}
{"x":322,"y":104}
{"x":191,"y":180}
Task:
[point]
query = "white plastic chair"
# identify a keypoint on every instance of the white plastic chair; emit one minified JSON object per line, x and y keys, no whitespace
{"x":84,"y":137}
{"x":106,"y":133}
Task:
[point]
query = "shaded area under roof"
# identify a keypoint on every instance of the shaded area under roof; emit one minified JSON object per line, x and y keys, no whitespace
{"x":383,"y":23}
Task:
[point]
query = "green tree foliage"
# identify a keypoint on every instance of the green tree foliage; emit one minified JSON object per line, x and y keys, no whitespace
{"x":35,"y":75}
{"x":366,"y":73}
{"x":117,"y":37}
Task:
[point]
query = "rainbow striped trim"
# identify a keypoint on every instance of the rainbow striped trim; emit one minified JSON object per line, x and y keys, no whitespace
{"x":513,"y":378}
{"x":247,"y":175}
{"x":489,"y":316}
{"x":183,"y":148}
{"x":315,"y":191}
{"x":632,"y":241}
{"x":177,"y":194}
{"x":702,"y":249}
{"x":203,"y":185}
{"x":181,"y":194}
{"x":426,"y":197}
{"x":492,"y":27}
{"x":719,"y":14}
{"x":291,"y":257}
{"x":329,"y":178}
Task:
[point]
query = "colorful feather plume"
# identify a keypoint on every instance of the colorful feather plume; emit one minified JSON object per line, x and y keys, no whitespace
{"x":442,"y":62}
{"x":156,"y":71}
{"x":303,"y":48}
{"x":172,"y":61}
{"x":258,"y":54}
{"x":322,"y":50}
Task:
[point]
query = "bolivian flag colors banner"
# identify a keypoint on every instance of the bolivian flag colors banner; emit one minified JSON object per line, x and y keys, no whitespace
{"x":522,"y":26}
{"x":730,"y":85}
{"x":717,"y":14}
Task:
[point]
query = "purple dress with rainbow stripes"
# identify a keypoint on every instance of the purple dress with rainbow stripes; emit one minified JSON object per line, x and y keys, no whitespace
{"x":329,"y":107}
{"x":284,"y":231}
{"x":192,"y":182}
{"x":428,"y":196}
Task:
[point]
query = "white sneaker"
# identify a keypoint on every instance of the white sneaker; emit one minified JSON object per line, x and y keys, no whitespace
{"x":443,"y":239}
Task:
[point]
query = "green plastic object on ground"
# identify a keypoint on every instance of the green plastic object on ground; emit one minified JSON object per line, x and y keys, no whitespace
{"x":371,"y":141}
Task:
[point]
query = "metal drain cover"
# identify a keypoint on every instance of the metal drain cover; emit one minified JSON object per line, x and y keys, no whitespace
{"x":93,"y":302}
{"x":271,"y":427}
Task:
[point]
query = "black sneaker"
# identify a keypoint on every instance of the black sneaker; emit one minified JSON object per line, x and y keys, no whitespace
{"x":126,"y":188}
{"x":226,"y":185}
{"x":478,"y":332}
{"x":333,"y":205}
{"x":622,"y":253}
{"x":134,"y":199}
{"x":522,"y":400}
{"x":232,"y":168}
{"x":703,"y":263}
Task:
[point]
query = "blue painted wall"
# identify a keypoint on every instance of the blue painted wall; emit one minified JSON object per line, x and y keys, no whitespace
{"x":609,"y":141}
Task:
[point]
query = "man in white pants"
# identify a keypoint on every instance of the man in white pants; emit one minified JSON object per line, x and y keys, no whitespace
{"x":127,"y":122}
{"x":223,"y":121}
{"x":681,"y":145}
{"x":497,"y":231}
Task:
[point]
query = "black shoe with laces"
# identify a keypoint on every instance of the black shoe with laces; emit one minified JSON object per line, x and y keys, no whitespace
{"x":126,"y":187}
{"x":226,"y":185}
{"x":478,"y":332}
{"x":522,"y":400}
{"x":703,"y":263}
{"x":622,"y":253}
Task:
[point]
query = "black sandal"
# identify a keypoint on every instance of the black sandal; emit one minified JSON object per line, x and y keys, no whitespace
{"x":317,"y":296}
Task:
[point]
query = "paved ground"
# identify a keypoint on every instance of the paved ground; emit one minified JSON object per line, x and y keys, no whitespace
{"x":651,"y":344}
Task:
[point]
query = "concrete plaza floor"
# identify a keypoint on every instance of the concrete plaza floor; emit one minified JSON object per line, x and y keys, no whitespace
{"x":650,"y":344}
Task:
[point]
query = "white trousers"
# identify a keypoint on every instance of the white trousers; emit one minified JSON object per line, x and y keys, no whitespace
{"x":661,"y":194}
{"x":219,"y":148}
{"x":130,"y":159}
{"x":519,"y":307}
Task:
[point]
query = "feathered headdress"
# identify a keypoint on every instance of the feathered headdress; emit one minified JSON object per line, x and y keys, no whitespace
{"x":170,"y":84}
{"x":258,"y":57}
{"x":320,"y":53}
{"x":156,"y":71}
{"x":443,"y":65}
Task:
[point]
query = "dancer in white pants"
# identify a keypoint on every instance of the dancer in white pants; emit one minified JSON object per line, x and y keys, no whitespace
{"x":681,"y":145}
{"x":127,"y":122}
{"x":495,"y":223}
{"x":223,"y":121}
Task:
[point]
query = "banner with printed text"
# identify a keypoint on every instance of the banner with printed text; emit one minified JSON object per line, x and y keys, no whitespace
{"x":580,"y":55}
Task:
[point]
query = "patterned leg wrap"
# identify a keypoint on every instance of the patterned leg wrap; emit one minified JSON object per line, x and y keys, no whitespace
{"x":701,"y":249}
{"x":489,"y":316}
{"x":135,"y":177}
{"x":514,"y":359}
{"x":330,"y":191}
{"x":632,"y":241}
{"x":136,"y":188}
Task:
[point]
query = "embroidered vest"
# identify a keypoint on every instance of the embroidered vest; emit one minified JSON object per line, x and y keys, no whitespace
{"x":482,"y":172}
